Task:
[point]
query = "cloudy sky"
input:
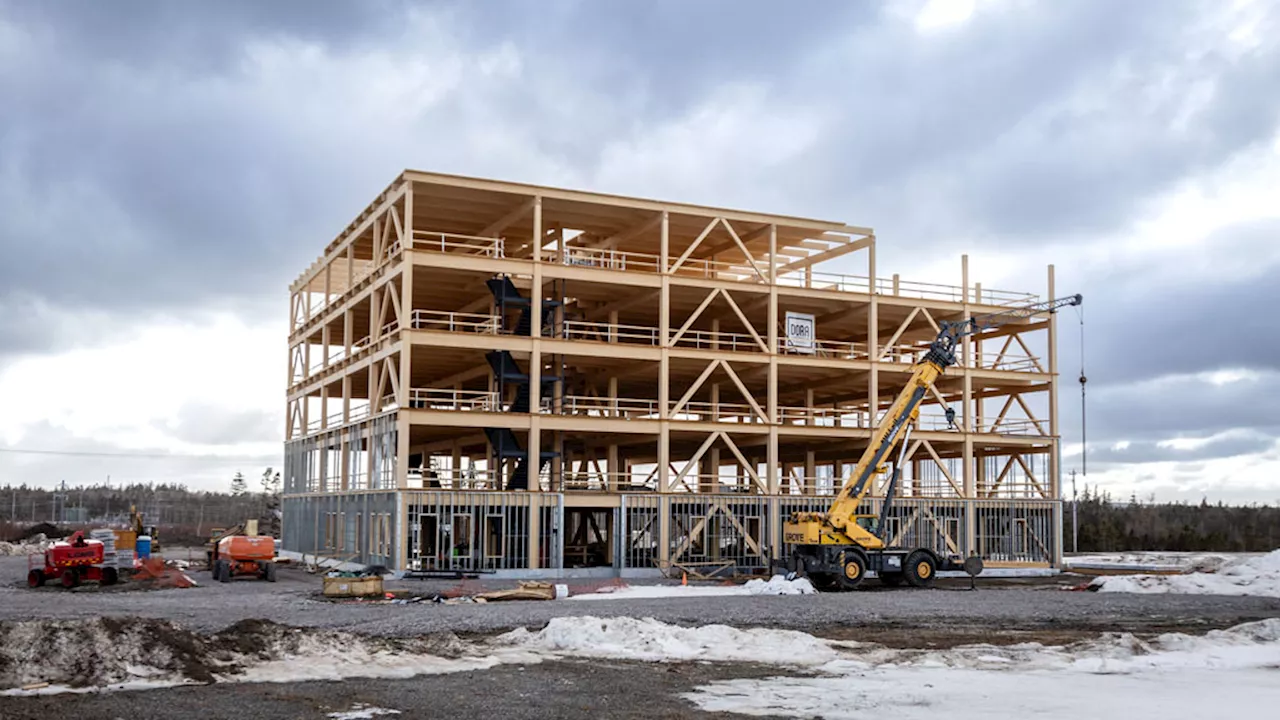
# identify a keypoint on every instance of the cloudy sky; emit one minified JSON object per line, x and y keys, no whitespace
{"x":166,"y":169}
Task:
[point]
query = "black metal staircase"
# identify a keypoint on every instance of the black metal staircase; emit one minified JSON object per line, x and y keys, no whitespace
{"x":507,"y":372}
{"x":508,"y":295}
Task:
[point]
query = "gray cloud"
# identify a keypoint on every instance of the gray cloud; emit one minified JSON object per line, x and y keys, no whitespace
{"x":161,"y":159}
{"x":205,"y":424}
{"x":1224,"y":446}
{"x":86,"y":460}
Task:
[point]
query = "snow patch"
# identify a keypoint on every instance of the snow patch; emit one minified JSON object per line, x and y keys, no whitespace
{"x":1255,"y":575}
{"x":34,"y":545}
{"x":780,"y":585}
{"x":647,"y":639}
{"x":1152,"y":561}
{"x":360,"y":711}
{"x":776,"y":585}
{"x":1171,"y":675}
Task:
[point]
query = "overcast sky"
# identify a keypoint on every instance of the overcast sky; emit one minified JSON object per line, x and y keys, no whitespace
{"x":167,"y":168}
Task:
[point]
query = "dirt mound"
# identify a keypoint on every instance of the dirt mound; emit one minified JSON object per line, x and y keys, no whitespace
{"x":109,"y":651}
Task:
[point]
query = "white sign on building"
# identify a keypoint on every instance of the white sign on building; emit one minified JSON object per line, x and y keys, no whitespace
{"x":800,"y":332}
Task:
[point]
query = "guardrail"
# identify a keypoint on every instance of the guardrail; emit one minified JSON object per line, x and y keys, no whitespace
{"x":625,"y":408}
{"x":822,"y":417}
{"x":604,"y":332}
{"x":610,"y":259}
{"x":453,"y":242}
{"x":448,"y":399}
{"x":483,"y":324}
{"x":708,"y":340}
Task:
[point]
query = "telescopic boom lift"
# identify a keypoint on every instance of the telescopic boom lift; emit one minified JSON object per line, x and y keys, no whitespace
{"x":837,"y":547}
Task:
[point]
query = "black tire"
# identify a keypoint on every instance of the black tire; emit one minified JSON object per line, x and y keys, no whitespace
{"x":854,"y":570}
{"x":70,"y":578}
{"x":110,"y":576}
{"x":35,"y":578}
{"x":921,"y":569}
{"x":891,"y":579}
{"x":222,"y":571}
{"x":271,"y":572}
{"x":823,"y":581}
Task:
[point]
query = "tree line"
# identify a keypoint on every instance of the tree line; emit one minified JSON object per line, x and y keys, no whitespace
{"x":1109,"y":526}
{"x":180,"y":514}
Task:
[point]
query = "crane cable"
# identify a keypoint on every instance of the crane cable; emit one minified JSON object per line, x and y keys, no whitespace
{"x":1084,"y":447}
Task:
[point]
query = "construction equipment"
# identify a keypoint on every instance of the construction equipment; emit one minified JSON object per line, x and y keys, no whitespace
{"x":71,"y":561}
{"x":243,"y":552}
{"x":216,"y":534}
{"x":836,"y":548}
{"x":141,"y":530}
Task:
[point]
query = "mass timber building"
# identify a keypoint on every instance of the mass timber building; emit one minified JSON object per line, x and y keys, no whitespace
{"x":492,"y":376}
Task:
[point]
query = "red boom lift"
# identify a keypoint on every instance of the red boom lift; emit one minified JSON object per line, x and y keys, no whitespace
{"x":72,"y":560}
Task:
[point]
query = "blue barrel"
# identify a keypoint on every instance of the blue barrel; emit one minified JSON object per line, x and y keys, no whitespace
{"x":143,"y":546}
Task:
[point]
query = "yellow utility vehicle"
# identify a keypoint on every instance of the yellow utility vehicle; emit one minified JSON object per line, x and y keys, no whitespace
{"x":837,"y":548}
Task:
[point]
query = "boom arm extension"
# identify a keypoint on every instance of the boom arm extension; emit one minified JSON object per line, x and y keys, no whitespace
{"x":906,"y":408}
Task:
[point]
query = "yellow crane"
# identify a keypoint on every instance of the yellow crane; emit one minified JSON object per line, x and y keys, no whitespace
{"x":836,"y":548}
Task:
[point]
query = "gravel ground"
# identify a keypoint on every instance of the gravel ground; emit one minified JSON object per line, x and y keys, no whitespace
{"x":571,"y":690}
{"x":295,"y":600}
{"x":999,"y":611}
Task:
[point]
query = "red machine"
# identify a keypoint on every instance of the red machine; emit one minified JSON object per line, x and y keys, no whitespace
{"x":244,"y":555}
{"x":72,"y":560}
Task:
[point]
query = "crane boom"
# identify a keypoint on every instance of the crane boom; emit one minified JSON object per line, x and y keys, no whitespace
{"x":816,"y":535}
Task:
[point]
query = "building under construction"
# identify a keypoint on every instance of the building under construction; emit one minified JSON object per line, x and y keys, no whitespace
{"x":502,"y":377}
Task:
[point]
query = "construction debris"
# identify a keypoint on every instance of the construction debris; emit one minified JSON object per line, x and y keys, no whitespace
{"x":529,"y":590}
{"x":161,"y":574}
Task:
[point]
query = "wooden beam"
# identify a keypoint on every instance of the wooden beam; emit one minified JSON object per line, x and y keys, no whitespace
{"x":743,"y":389}
{"x":711,"y":366}
{"x":828,"y":255}
{"x":738,"y":311}
{"x":614,"y":241}
{"x":745,"y":252}
{"x":687,"y":323}
{"x":702,"y":236}
{"x":901,"y":329}
{"x":517,"y":212}
{"x":623,"y":304}
{"x":756,"y":234}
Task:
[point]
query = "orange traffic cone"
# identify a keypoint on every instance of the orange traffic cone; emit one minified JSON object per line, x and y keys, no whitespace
{"x":684,"y":578}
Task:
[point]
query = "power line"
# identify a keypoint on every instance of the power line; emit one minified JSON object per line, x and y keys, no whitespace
{"x":146,"y":456}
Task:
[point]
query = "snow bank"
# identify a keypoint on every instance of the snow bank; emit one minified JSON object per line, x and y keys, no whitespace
{"x":111,"y":653}
{"x":626,"y":638}
{"x":30,"y":546}
{"x":1255,"y":575}
{"x":1152,"y":562}
{"x":780,"y":585}
{"x":1173,"y":675}
{"x":647,"y":639}
{"x":776,"y":585}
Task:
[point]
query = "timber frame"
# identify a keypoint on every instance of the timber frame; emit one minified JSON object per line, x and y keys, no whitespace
{"x":534,"y":379}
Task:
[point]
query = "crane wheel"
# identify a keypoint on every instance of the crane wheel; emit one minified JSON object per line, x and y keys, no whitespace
{"x":109,"y":576}
{"x":853,"y":570}
{"x":70,"y":578}
{"x":222,"y":571}
{"x":921,"y":569}
{"x":35,"y":578}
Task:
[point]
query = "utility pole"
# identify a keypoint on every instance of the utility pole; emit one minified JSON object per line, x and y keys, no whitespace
{"x":1075,"y":527}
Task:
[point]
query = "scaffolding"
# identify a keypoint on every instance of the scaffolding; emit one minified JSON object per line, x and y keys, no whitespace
{"x":536,"y":380}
